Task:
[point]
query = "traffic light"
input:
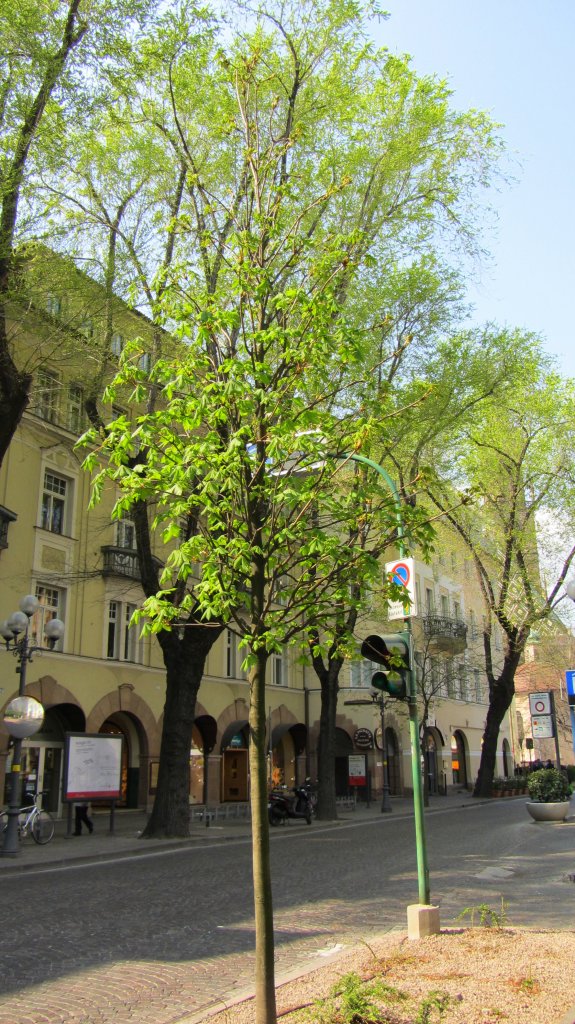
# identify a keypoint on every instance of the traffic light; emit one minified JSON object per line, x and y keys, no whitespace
{"x":392,"y":652}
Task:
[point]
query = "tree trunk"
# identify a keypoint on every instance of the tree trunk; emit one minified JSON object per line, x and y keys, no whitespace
{"x":326,"y":799}
{"x":184,"y":659}
{"x":500,"y":697}
{"x":263,"y":906}
{"x":14,"y":392}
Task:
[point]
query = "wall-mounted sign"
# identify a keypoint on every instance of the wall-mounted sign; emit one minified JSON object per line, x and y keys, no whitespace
{"x":402,"y":573}
{"x":363,"y":739}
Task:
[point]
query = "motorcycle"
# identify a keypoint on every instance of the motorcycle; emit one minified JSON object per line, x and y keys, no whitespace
{"x":283,"y":805}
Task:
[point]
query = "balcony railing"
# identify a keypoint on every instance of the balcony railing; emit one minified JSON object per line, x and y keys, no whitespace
{"x":6,"y":517}
{"x":120,"y":562}
{"x":447,"y":634}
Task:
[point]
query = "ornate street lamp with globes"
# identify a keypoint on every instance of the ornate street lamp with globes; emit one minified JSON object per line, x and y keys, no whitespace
{"x":23,"y":715}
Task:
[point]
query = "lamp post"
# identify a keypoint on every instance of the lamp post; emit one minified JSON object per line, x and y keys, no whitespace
{"x":24,"y":715}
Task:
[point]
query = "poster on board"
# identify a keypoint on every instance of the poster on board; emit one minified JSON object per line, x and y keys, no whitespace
{"x":93,"y":766}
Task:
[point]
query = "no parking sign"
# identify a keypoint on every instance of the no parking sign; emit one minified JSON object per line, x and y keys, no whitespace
{"x":540,"y":704}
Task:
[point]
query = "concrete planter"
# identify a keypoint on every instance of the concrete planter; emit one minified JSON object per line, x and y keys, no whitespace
{"x":548,"y":812}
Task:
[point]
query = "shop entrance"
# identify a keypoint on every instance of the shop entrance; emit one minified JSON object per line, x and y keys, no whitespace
{"x":235,"y":768}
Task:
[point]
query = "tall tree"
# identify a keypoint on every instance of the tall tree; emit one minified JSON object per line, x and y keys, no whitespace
{"x":514,"y":461}
{"x":49,"y":52}
{"x":380,"y":181}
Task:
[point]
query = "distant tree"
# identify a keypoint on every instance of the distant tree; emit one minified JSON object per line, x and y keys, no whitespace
{"x":513,"y":462}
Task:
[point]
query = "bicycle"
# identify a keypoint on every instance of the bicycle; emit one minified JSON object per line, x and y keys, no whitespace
{"x":31,"y":819}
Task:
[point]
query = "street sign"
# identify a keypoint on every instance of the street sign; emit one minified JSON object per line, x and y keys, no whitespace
{"x":542,"y":727}
{"x":540,"y":704}
{"x":402,"y":572}
{"x":570,"y":680}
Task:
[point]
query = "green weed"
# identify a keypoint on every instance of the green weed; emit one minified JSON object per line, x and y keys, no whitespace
{"x":488,"y":917}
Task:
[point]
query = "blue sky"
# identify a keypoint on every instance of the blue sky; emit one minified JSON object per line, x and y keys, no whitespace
{"x":513,"y":59}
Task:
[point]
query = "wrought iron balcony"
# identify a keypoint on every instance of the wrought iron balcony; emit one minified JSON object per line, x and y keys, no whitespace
{"x":445,"y":634}
{"x":120,"y":562}
{"x":6,"y":517}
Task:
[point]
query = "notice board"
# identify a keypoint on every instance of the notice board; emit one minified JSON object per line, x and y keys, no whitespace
{"x":93,"y":766}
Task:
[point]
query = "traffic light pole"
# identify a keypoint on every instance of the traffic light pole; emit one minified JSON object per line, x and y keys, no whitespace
{"x":420,"y":839}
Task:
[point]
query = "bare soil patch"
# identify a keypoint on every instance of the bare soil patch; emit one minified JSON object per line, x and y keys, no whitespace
{"x":476,"y":976}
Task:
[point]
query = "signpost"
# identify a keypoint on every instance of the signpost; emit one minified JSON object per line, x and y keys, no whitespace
{"x":543,"y":719}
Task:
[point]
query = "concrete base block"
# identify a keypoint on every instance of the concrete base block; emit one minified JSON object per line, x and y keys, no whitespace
{"x":422,"y":920}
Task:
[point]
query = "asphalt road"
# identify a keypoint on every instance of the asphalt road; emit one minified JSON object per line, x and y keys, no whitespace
{"x":152,"y":939}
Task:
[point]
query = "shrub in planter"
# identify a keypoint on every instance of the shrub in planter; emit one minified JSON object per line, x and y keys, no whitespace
{"x":548,"y":786}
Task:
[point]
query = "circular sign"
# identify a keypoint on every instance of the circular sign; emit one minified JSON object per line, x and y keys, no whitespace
{"x":363,"y":739}
{"x":539,"y":706}
{"x":400,"y":574}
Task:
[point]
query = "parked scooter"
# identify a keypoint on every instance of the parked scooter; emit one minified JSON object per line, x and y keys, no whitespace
{"x":284,"y":804}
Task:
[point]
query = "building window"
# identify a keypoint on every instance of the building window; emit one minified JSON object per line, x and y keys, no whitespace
{"x":279,"y":674}
{"x":445,"y":606}
{"x":429,"y":602}
{"x":75,"y":409}
{"x":477,"y":685}
{"x":54,"y":497}
{"x":462,"y":682}
{"x":145,"y":362}
{"x":126,"y":534}
{"x":87,"y":329}
{"x":231,"y":654}
{"x":52,"y":606}
{"x":117,"y":344}
{"x":456,"y":610}
{"x":47,"y":390}
{"x":123,"y":642}
{"x":472,"y":625}
{"x":54,"y":305}
{"x":446,"y":689}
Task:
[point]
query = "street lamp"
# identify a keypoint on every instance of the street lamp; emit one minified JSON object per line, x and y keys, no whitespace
{"x":24,"y":715}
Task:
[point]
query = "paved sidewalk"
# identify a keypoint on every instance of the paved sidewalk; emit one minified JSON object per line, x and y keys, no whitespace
{"x":128,"y":826}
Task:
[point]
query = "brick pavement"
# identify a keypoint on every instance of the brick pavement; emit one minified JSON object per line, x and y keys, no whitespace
{"x":158,"y":988}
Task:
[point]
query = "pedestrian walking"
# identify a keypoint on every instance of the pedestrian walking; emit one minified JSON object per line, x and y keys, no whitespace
{"x":82,"y":818}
